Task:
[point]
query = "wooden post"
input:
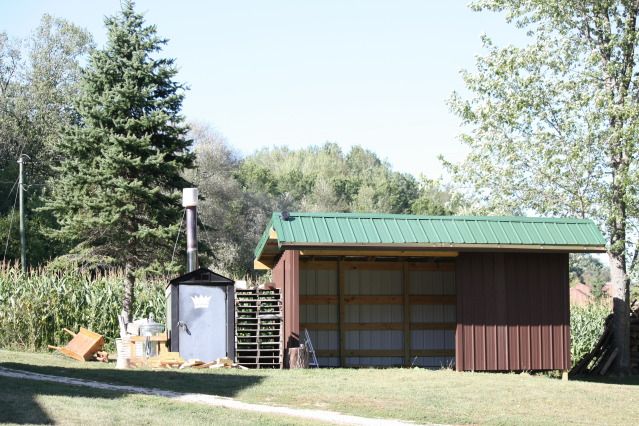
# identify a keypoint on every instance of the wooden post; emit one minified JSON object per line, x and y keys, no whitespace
{"x":342,"y":312}
{"x":564,"y":375}
{"x":406,"y":315}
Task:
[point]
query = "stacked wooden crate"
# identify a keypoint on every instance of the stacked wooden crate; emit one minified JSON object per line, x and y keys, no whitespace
{"x":602,"y":356}
{"x":258,"y":323}
{"x":634,"y":340}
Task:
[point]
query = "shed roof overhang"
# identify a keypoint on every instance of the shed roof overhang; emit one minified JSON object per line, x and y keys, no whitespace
{"x":384,"y":235}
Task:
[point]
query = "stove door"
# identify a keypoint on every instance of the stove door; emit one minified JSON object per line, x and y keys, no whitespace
{"x":203,"y":324}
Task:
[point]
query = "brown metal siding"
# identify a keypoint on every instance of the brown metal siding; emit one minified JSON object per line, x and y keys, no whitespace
{"x":286,"y":278}
{"x":512,"y":312}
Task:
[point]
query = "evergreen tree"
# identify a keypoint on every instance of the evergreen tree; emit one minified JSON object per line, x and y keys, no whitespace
{"x":117,"y":195}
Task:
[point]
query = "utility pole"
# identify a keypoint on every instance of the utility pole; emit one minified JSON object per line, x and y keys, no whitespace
{"x":23,"y":235}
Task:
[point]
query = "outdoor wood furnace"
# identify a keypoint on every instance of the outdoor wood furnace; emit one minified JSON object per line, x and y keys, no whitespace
{"x":200,"y":308}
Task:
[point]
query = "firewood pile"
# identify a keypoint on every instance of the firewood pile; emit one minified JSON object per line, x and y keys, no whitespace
{"x":601,"y":358}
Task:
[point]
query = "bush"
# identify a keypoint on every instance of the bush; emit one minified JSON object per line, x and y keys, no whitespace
{"x":35,"y":306}
{"x":586,"y":327}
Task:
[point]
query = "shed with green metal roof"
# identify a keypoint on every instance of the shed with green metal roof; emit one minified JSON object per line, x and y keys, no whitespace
{"x":482,"y":293}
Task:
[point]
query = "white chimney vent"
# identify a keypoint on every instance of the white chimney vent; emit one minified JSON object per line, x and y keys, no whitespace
{"x":189,"y":197}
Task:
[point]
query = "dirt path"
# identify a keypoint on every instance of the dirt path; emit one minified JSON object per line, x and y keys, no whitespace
{"x":216,"y":401}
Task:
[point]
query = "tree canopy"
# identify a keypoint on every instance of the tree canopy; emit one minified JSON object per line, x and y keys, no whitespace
{"x":38,"y":81}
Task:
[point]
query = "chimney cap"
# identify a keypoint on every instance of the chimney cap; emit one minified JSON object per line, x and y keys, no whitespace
{"x":189,"y":197}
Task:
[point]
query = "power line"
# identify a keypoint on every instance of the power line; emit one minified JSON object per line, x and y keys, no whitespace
{"x":178,"y":236}
{"x":13,"y":210}
{"x":12,"y":188}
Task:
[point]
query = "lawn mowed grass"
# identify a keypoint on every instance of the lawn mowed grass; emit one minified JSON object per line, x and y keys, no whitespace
{"x":34,"y":402}
{"x":411,"y":394}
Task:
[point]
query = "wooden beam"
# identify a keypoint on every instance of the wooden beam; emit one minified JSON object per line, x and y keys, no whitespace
{"x":259,"y":266}
{"x":377,"y":253}
{"x":407,"y":313}
{"x":433,"y":352}
{"x":428,"y":299}
{"x":341,"y":283}
{"x":314,"y":264}
{"x":319,"y":300}
{"x":433,"y":325}
{"x":373,"y":300}
{"x":375,"y":352}
{"x":326,"y":353}
{"x":388,"y":353}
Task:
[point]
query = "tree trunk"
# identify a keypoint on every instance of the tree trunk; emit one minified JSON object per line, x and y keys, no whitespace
{"x":621,"y":311}
{"x":129,"y":286}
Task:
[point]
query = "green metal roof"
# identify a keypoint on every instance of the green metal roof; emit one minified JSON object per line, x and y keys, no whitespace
{"x":358,"y":229}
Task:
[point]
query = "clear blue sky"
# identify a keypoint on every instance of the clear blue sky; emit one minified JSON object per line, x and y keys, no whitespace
{"x":302,"y":72}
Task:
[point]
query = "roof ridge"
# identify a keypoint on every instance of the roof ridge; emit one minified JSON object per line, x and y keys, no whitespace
{"x":277,"y":216}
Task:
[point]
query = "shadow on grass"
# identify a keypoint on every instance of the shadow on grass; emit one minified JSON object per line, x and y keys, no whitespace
{"x":187,"y":381}
{"x":608,"y":380}
{"x":18,"y":397}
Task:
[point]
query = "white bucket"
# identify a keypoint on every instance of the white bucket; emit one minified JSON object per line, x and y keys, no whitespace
{"x":124,"y":353}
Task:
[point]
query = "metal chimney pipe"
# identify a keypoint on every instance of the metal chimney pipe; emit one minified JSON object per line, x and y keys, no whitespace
{"x":189,"y":200}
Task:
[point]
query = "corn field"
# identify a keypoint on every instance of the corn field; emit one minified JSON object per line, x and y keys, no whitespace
{"x":36,"y":306}
{"x":586,"y":327}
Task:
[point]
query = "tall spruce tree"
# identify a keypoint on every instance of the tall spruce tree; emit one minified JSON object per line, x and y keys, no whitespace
{"x":116,"y":197}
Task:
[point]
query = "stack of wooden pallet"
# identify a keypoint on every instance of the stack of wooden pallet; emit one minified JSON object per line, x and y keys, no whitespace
{"x":634,"y":340}
{"x":258,"y":323}
{"x":601,"y":358}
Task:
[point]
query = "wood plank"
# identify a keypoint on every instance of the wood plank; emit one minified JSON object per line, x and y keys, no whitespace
{"x":433,"y":352}
{"x":308,"y":264}
{"x":379,"y":253}
{"x":433,"y":299}
{"x":375,"y":352}
{"x":341,"y":284}
{"x":433,"y":325}
{"x":406,"y":314}
{"x":327,"y":353}
{"x":261,"y":266}
{"x":319,"y":300}
{"x":374,"y":300}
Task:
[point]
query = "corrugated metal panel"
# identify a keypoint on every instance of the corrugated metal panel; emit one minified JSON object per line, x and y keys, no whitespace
{"x":374,"y":340}
{"x":377,"y":361}
{"x":314,"y":282}
{"x":373,"y":282}
{"x":320,"y":282}
{"x":356,"y":228}
{"x":512,"y":311}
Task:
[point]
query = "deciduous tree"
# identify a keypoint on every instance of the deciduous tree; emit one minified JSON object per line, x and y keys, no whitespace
{"x":553,"y":124}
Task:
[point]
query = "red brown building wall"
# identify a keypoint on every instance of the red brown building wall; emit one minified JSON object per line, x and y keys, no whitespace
{"x":286,"y":276}
{"x":513,"y":312}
